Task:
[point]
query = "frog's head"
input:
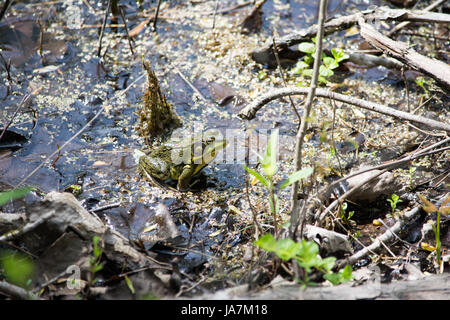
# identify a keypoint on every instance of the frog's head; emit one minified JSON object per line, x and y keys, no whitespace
{"x":206,"y":148}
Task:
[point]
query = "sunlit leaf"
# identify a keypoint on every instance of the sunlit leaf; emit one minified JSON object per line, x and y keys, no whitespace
{"x":427,"y":246}
{"x":6,"y":196}
{"x":129,"y":284}
{"x":301,"y":174}
{"x":257,"y":175}
{"x":267,"y":242}
{"x":17,"y":268}
{"x":306,"y":47}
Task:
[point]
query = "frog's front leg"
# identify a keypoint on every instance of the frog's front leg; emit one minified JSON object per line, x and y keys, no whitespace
{"x":185,"y":177}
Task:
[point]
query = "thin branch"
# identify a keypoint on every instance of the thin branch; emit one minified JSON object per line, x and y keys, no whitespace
{"x":156,"y":15}
{"x":99,"y":51}
{"x":295,"y":214}
{"x":405,"y":23}
{"x":16,"y":292}
{"x":385,"y":237}
{"x":250,"y":110}
{"x":122,"y":14}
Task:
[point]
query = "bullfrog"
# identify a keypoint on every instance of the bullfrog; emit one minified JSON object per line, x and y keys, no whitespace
{"x":182,"y":160}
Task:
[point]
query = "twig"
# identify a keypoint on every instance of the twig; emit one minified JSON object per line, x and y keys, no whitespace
{"x":156,"y":15}
{"x":24,"y":100}
{"x":99,"y":51}
{"x":126,"y":29}
{"x":405,"y":23}
{"x":105,"y":207}
{"x":16,"y":292}
{"x":346,"y":195}
{"x":438,"y":70}
{"x":342,"y":23}
{"x":393,"y":164}
{"x":250,"y":110}
{"x":247,"y":188}
{"x":385,"y":237}
{"x":295,"y":213}
{"x":4,"y":8}
{"x":28,"y":227}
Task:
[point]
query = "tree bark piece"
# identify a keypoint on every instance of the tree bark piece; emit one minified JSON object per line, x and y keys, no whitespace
{"x":436,"y":69}
{"x":250,"y":110}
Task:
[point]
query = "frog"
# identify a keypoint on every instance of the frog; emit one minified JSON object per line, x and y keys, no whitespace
{"x":180,"y":161}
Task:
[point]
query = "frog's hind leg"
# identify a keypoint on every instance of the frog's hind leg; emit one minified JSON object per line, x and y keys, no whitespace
{"x":156,"y":183}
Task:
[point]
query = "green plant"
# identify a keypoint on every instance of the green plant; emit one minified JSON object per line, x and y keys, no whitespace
{"x":18,"y":193}
{"x":346,"y":217}
{"x":94,"y":262}
{"x":421,"y":82}
{"x":306,"y":254}
{"x":443,"y":209}
{"x":328,"y":63}
{"x":17,"y":268}
{"x":269,"y":166}
{"x":395,"y":199}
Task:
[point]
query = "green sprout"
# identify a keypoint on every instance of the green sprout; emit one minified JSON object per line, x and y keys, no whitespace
{"x":269,"y":166}
{"x":395,"y":199}
{"x":328,"y":63}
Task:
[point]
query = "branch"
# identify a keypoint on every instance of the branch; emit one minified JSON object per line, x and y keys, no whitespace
{"x":380,"y":14}
{"x":295,"y":213}
{"x":385,"y":237}
{"x":436,"y":69}
{"x":250,"y":110}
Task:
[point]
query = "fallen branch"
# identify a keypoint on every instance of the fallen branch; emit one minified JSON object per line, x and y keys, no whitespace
{"x":385,"y":237}
{"x":16,"y":292}
{"x":436,"y":69}
{"x":265,"y":54}
{"x":250,"y":110}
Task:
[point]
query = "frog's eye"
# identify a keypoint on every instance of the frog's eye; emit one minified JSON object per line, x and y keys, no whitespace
{"x":210,"y":140}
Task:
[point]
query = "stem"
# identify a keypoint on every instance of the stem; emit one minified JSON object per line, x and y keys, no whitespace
{"x":438,"y":240}
{"x":274,"y":208}
{"x":295,"y":214}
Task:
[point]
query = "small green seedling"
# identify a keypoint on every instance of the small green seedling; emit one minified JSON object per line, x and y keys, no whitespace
{"x":346,"y":217}
{"x":429,"y":208}
{"x":269,"y":166}
{"x":328,"y":63}
{"x":395,"y":199}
